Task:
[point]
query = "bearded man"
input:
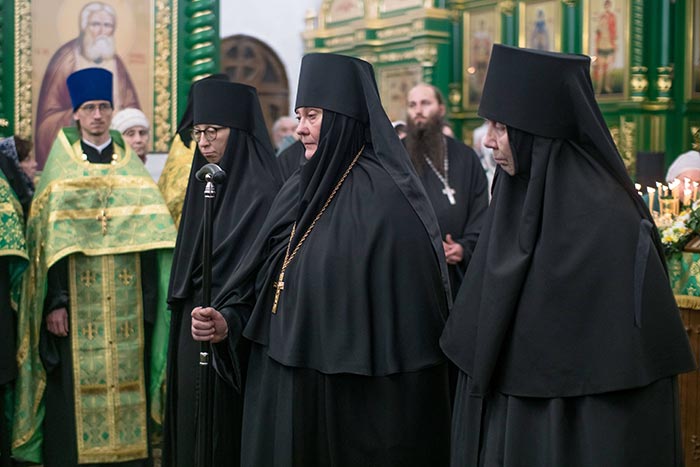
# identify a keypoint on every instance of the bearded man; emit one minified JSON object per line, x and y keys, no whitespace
{"x":452,"y":177}
{"x":94,"y":47}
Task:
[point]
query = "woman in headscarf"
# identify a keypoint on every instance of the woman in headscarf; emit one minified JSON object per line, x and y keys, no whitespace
{"x":229,"y":131}
{"x":344,"y":294}
{"x":565,"y":328}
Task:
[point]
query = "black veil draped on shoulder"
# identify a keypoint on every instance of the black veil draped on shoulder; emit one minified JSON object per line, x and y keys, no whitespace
{"x":567,"y":292}
{"x":241,"y":203}
{"x":367,"y":293}
{"x":252,"y":181}
{"x":291,"y":158}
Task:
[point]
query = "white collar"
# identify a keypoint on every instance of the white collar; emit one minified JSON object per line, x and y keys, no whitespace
{"x":101,"y":147}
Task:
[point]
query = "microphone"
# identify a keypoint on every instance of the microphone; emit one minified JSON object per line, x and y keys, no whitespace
{"x":211,"y":173}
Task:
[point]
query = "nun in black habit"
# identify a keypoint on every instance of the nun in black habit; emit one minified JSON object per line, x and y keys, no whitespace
{"x":172,"y":182}
{"x":345,"y":369}
{"x":241,"y":204}
{"x":565,"y":328}
{"x":291,"y":158}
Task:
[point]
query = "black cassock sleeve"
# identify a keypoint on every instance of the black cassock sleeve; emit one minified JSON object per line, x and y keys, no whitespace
{"x":230,"y":356}
{"x":8,"y":367}
{"x":477,"y":204}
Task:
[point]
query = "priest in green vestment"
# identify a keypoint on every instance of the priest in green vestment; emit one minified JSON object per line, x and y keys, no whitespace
{"x":175,"y":175}
{"x":92,"y":315}
{"x":13,"y":262}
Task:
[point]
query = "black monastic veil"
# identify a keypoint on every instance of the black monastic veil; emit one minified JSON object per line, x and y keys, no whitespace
{"x":241,"y":205}
{"x":566,"y":301}
{"x":354,"y":339}
{"x":291,"y":158}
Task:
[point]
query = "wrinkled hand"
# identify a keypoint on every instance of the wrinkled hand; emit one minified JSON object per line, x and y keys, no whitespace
{"x":57,"y":322}
{"x":208,"y":325}
{"x":453,"y":250}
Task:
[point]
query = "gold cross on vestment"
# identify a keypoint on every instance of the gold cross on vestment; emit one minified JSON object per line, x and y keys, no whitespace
{"x":88,"y":278}
{"x":103,"y":218}
{"x":127,"y":329}
{"x":280,"y":287}
{"x":89,"y":331}
{"x":125,"y":276}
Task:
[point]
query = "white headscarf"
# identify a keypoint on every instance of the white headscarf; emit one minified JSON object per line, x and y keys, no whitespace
{"x":127,"y":118}
{"x":687,"y":160}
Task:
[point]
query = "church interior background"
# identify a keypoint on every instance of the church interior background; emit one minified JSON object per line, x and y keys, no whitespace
{"x":646,"y":56}
{"x":645,"y":65}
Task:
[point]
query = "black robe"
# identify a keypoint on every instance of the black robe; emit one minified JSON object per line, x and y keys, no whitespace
{"x":565,"y":329}
{"x":462,"y":220}
{"x":291,"y":158}
{"x":60,"y":448}
{"x":241,"y":203}
{"x":8,"y":365}
{"x":348,"y":371}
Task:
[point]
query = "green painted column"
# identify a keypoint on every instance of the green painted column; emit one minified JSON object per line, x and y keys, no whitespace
{"x":664,"y":69}
{"x":454,"y":93}
{"x":572,"y":32}
{"x":639,"y":79}
{"x":509,"y":23}
{"x":198,"y":44}
{"x":7,"y":69}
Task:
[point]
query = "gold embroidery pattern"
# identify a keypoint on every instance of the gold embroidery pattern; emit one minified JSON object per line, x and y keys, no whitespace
{"x":109,"y":390}
{"x":126,"y":277}
{"x":88,"y":278}
{"x":127,"y":329}
{"x":90,"y":331}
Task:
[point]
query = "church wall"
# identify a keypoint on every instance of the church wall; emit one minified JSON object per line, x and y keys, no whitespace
{"x":279,"y":24}
{"x":648,"y":87}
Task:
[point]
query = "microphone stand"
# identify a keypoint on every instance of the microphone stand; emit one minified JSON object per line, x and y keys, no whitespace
{"x":212,"y":174}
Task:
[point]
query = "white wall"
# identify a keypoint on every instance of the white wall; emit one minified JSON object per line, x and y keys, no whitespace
{"x":278,"y":23}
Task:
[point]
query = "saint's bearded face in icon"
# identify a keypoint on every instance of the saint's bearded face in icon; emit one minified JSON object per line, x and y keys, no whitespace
{"x":97,"y":36}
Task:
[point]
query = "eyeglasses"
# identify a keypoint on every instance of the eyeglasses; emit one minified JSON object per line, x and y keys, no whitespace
{"x":209,"y":133}
{"x":90,"y":108}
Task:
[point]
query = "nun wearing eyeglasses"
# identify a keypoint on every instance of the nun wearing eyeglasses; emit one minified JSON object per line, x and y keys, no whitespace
{"x":229,"y":131}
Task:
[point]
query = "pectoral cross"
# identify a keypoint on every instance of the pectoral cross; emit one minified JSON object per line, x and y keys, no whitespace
{"x":450,"y":193}
{"x":280,"y":287}
{"x":103,"y":218}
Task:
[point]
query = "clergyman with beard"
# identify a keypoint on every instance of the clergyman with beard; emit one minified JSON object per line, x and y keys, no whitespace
{"x":94,"y":47}
{"x":452,"y":177}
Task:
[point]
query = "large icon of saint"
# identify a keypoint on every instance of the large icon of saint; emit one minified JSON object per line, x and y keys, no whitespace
{"x":94,"y":47}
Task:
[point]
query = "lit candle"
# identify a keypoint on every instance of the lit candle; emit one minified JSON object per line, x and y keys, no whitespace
{"x":695,"y":191}
{"x":687,"y":193}
{"x":673,"y":188}
{"x":651,"y":192}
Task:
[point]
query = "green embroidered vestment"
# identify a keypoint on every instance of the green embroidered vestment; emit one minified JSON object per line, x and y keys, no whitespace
{"x":100,"y":216}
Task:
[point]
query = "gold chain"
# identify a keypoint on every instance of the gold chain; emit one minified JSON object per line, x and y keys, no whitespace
{"x":287,"y":257}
